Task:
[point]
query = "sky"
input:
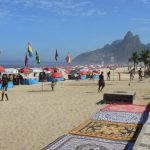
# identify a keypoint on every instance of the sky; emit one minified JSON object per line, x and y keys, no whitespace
{"x":74,"y":26}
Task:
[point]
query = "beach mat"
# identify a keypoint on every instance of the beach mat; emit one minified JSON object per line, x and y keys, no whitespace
{"x":108,"y":130}
{"x":116,"y":116}
{"x":126,"y":108}
{"x":74,"y":142}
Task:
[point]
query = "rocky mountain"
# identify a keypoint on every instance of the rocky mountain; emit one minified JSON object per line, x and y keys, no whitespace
{"x":118,"y":51}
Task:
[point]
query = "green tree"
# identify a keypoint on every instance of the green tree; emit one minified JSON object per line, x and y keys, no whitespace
{"x":145,"y":57}
{"x":134,"y":58}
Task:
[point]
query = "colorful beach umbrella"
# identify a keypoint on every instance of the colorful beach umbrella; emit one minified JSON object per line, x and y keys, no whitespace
{"x":25,"y":70}
{"x":57,"y":75}
{"x":48,"y":69}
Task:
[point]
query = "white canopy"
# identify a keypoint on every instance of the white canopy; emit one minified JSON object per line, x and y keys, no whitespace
{"x":10,"y":71}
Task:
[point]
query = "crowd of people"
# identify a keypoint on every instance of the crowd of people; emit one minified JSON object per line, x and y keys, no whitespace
{"x":132,"y":72}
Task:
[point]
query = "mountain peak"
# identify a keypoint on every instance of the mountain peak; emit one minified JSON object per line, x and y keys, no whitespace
{"x":128,"y":35}
{"x":118,"y":51}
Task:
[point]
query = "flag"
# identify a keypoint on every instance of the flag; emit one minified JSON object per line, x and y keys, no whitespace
{"x":26,"y":60}
{"x":30,"y":51}
{"x":37,"y":58}
{"x":68,"y":58}
{"x":56,"y":55}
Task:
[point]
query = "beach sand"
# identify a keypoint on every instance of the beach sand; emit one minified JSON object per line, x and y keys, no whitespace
{"x":32,"y":119}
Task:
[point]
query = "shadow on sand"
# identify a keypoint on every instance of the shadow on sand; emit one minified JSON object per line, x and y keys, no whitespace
{"x":100,"y":102}
{"x":34,"y":91}
{"x":90,"y":92}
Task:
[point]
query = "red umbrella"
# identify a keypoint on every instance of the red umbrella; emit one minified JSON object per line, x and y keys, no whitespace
{"x":25,"y":70}
{"x":48,"y":69}
{"x":2,"y":69}
{"x":57,"y":75}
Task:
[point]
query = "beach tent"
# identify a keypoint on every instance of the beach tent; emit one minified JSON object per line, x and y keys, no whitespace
{"x":10,"y":83}
{"x":11,"y":71}
{"x":2,"y":69}
{"x":27,"y":80}
{"x":37,"y":70}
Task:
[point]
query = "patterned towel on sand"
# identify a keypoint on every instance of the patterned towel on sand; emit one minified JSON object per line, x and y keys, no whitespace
{"x":115,"y":116}
{"x":74,"y":142}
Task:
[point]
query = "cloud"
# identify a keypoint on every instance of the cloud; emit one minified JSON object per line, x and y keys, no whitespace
{"x":60,"y":7}
{"x":141,"y":20}
{"x":93,"y":12}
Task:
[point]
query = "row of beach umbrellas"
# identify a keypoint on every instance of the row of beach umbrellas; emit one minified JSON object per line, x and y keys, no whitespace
{"x":25,"y":70}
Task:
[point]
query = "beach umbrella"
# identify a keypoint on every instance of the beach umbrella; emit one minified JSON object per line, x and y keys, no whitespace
{"x":2,"y":69}
{"x":48,"y":69}
{"x":57,"y":75}
{"x":25,"y":70}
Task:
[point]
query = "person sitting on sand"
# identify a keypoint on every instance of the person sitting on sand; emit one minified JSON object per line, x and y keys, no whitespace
{"x":4,"y":87}
{"x":101,"y":82}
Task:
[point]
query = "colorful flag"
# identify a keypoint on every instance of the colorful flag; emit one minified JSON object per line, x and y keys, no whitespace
{"x":68,"y":58}
{"x":56,"y":55}
{"x":30,"y":51}
{"x":37,"y":58}
{"x":26,"y":60}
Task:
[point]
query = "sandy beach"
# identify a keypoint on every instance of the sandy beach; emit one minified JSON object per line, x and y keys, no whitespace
{"x":32,"y":118}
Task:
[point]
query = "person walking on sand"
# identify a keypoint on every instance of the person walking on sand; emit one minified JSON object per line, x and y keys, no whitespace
{"x":108,"y":75}
{"x":4,"y":87}
{"x":132,"y":74}
{"x":101,"y":82}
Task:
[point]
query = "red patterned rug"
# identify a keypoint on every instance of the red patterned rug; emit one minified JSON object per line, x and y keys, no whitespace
{"x":126,"y":108}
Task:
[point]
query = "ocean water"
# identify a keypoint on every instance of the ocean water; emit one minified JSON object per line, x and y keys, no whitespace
{"x":20,"y":64}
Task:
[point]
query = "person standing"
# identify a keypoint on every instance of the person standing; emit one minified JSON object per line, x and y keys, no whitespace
{"x":119,"y":76}
{"x":132,"y":74}
{"x":101,"y":82}
{"x":4,"y":87}
{"x":140,"y":74}
{"x":52,"y":85}
{"x":108,"y":75}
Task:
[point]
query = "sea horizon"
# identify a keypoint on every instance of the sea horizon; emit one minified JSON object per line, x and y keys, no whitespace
{"x":32,"y":64}
{"x":20,"y":64}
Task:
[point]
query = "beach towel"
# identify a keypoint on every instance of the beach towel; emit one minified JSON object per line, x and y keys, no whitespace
{"x":108,"y":130}
{"x":127,"y":117}
{"x":126,"y":108}
{"x":74,"y":142}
